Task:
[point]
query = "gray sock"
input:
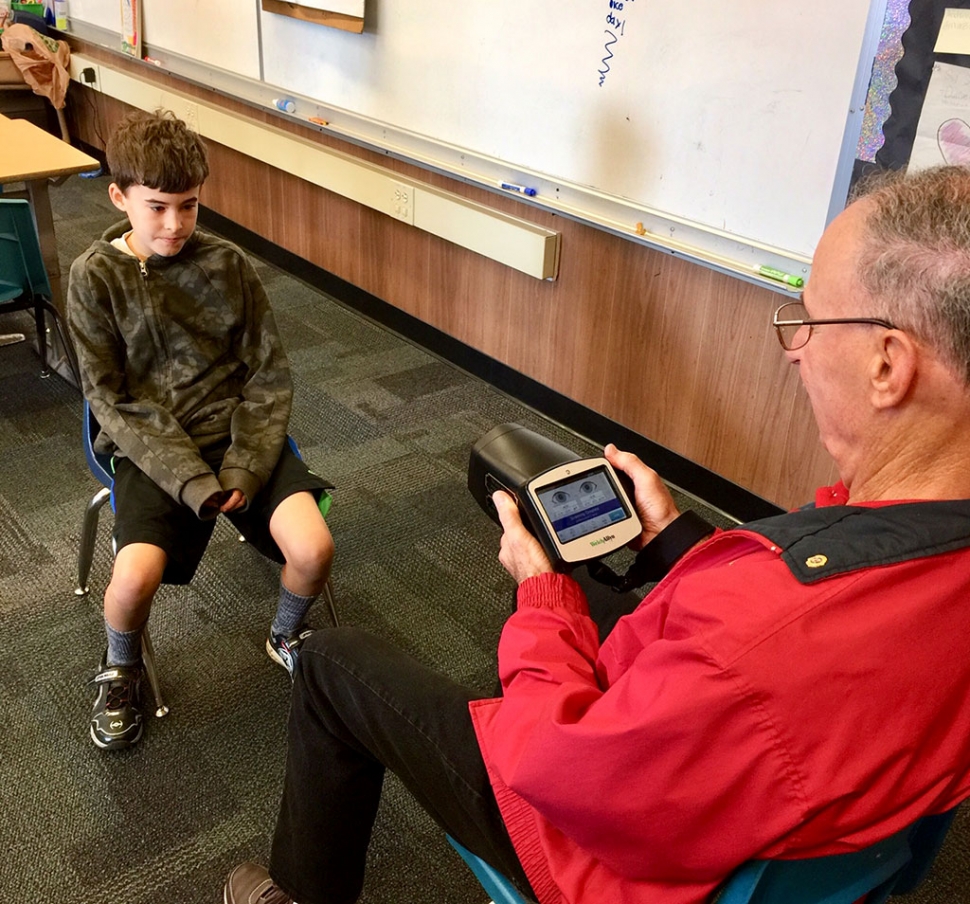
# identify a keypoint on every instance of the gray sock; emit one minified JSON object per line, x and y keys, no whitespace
{"x":290,"y":612}
{"x":124,"y":647}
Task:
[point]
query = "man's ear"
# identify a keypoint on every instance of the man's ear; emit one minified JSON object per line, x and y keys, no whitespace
{"x":117,"y":196}
{"x":892,"y":372}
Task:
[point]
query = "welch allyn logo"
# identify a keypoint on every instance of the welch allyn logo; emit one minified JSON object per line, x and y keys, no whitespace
{"x":602,"y":540}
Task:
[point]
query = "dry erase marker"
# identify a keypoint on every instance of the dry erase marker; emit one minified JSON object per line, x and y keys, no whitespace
{"x":317,"y":121}
{"x":522,"y":189}
{"x":786,"y":278}
{"x":286,"y":104}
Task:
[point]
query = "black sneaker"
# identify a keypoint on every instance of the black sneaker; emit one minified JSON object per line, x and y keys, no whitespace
{"x":285,"y":650}
{"x":116,"y":720}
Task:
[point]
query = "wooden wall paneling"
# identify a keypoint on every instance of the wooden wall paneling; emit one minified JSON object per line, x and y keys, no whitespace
{"x":471,"y":303}
{"x":395,"y":262}
{"x":641,"y":336}
{"x":636,"y":323}
{"x":731,"y":398}
{"x":674,"y":365}
{"x":579,"y":358}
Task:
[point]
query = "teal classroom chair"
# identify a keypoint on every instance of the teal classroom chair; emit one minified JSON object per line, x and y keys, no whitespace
{"x":24,"y":284}
{"x":101,"y":468}
{"x":895,"y":865}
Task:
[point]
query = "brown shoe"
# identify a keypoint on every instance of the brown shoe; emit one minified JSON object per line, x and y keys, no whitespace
{"x":249,"y":883}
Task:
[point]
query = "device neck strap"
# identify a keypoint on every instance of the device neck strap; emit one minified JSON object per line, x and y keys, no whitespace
{"x":658,"y":556}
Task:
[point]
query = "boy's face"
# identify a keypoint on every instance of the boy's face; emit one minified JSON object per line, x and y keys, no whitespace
{"x":161,"y":223}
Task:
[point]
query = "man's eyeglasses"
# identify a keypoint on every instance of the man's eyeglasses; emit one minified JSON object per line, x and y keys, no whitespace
{"x":794,"y":326}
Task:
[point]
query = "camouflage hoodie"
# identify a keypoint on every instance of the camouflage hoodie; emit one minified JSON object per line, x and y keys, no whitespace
{"x":178,"y":354}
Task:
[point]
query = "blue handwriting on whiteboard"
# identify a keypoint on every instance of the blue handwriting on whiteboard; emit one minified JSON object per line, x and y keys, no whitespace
{"x":613,"y":33}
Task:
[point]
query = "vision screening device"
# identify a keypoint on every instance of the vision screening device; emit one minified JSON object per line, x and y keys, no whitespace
{"x":577,"y":508}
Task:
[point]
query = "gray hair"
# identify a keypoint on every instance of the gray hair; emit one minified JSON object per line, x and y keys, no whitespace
{"x":916,"y":257}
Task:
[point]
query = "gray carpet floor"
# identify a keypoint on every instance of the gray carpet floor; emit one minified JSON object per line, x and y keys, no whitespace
{"x":391,"y":426}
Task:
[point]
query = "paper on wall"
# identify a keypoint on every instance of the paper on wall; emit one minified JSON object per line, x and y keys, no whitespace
{"x":131,"y":27}
{"x":954,"y":34}
{"x":943,"y":133}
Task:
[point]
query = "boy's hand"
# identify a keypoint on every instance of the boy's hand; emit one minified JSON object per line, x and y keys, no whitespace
{"x":655,"y":506}
{"x":215,"y":502}
{"x":520,"y":554}
{"x":232,"y":501}
{"x":225,"y":501}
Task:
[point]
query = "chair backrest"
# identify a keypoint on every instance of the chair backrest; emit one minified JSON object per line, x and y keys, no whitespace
{"x":21,"y":262}
{"x":895,"y":865}
{"x":14,"y":281}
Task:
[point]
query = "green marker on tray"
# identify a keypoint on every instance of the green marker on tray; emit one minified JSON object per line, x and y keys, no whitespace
{"x":781,"y":276}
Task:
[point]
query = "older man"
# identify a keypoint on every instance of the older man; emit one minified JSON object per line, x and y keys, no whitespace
{"x":793,"y":688}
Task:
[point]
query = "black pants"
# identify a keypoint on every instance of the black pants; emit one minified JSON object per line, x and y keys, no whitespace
{"x":361,"y":706}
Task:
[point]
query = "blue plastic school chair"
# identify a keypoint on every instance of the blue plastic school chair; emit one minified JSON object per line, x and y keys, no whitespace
{"x":24,"y":284}
{"x":896,"y":865}
{"x":496,"y":886}
{"x":101,"y":468}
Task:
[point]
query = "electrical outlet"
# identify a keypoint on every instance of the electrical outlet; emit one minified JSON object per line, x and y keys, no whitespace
{"x":402,"y":202}
{"x":86,"y":73}
{"x":190,"y":114}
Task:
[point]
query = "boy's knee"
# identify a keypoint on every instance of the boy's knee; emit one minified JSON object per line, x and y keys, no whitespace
{"x":312,"y":555}
{"x":135,"y":578}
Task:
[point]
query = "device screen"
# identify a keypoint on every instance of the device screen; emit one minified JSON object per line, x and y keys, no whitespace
{"x":580,"y":505}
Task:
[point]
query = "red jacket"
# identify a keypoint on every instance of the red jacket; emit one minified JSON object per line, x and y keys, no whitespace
{"x":789,"y":697}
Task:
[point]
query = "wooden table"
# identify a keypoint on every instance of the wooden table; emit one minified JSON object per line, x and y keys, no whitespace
{"x":31,"y":155}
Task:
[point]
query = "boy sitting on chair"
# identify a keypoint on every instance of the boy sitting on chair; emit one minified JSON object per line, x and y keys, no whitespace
{"x":183,"y":367}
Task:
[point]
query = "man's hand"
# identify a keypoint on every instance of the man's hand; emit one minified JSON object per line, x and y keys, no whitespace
{"x":655,"y":506}
{"x":520,"y":552}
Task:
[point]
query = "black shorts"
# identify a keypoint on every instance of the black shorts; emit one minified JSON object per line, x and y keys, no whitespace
{"x":144,"y":513}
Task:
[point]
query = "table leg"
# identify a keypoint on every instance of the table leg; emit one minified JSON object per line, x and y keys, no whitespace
{"x":40,"y":203}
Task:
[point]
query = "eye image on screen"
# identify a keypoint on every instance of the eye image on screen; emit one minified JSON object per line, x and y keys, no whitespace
{"x":582,"y":505}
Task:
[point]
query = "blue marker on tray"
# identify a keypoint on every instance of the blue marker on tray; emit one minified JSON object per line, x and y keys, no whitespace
{"x":522,"y":189}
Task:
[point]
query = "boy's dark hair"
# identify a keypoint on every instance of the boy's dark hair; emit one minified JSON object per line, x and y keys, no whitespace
{"x":157,"y":150}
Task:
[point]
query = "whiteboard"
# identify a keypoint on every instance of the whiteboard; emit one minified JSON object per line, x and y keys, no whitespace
{"x":725,"y":117}
{"x":729,"y":114}
{"x":221,"y":33}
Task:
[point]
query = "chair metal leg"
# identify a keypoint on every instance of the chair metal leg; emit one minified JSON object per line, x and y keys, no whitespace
{"x":45,"y":370}
{"x":148,"y":660}
{"x":331,"y":605}
{"x":65,"y":338}
{"x":89,"y":533}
